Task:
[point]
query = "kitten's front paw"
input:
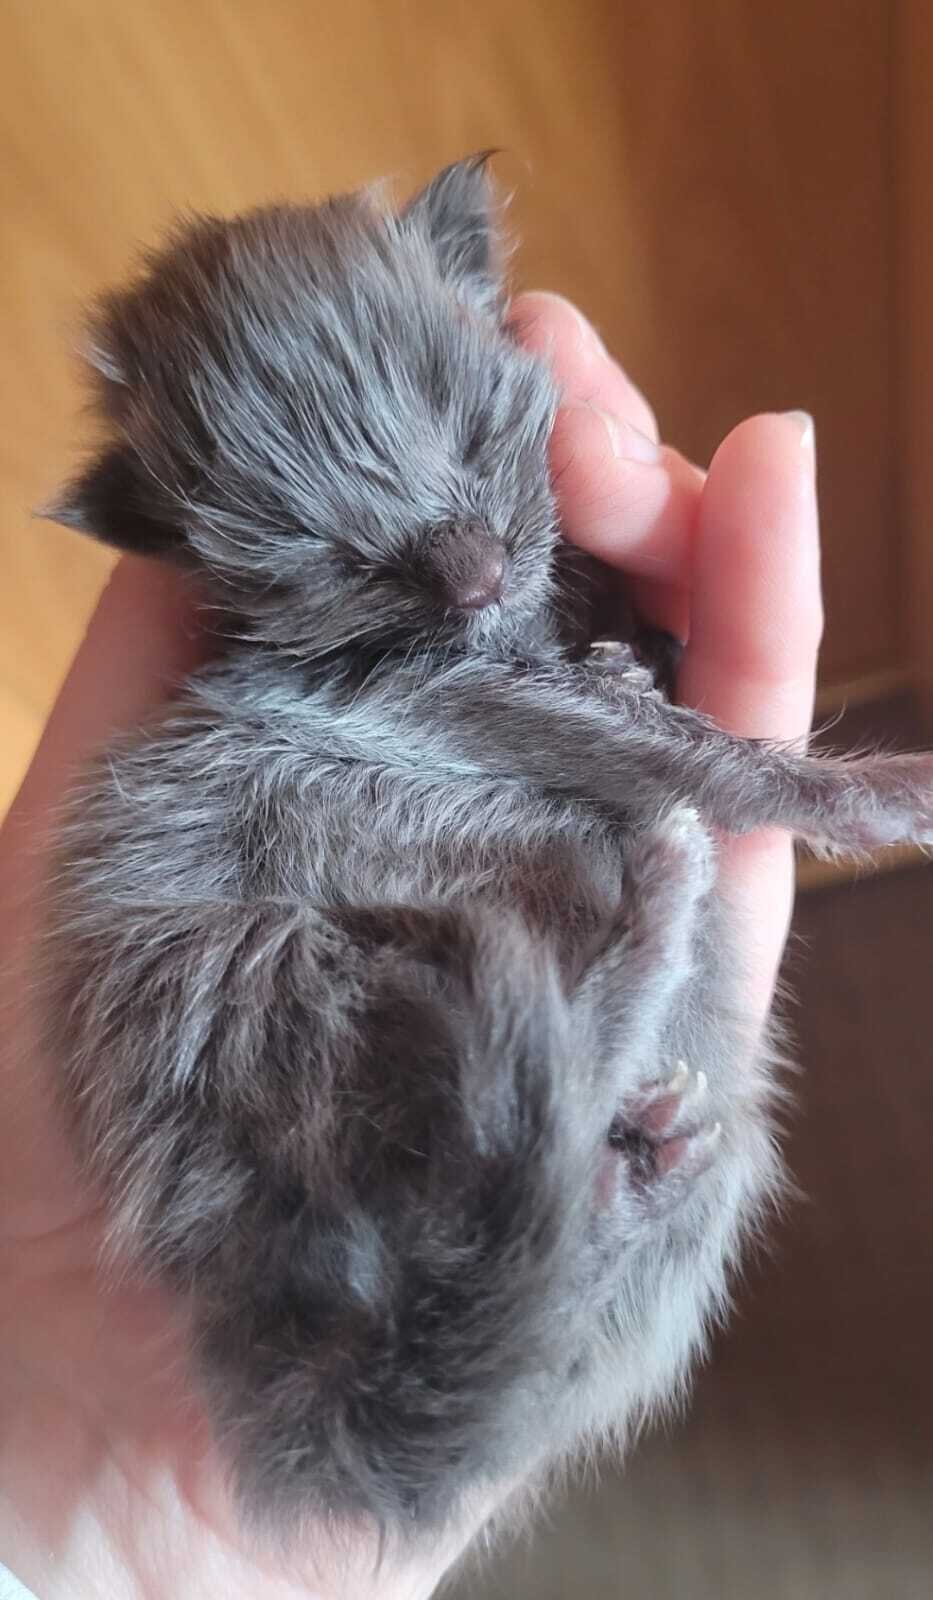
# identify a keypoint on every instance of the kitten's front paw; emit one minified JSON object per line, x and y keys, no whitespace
{"x":662,"y":653}
{"x":902,"y":805}
{"x":667,"y":1136}
{"x":611,"y":658}
{"x":879,"y":801}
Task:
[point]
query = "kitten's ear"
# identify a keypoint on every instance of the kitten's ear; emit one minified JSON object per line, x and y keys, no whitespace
{"x":456,"y":211}
{"x":106,"y":501}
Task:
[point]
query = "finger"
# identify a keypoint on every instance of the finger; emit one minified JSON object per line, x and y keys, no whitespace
{"x":664,"y":605}
{"x":755,"y":627}
{"x":621,"y":496}
{"x":624,"y":498}
{"x":756,"y":611}
{"x":551,"y":327}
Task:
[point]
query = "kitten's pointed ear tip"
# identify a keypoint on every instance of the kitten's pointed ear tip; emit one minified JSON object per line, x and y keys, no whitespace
{"x":466,"y":182}
{"x":63,"y":508}
{"x":458,"y":212}
{"x":104,"y":501}
{"x":78,"y":502}
{"x":472,"y":169}
{"x":481,"y":158}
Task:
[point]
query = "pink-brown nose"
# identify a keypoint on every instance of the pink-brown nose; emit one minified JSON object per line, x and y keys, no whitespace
{"x":467,"y":565}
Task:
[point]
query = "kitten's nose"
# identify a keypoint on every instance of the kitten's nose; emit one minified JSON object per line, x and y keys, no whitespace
{"x":467,"y":565}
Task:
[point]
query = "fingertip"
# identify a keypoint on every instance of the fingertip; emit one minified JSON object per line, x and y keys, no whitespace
{"x":786,"y":438}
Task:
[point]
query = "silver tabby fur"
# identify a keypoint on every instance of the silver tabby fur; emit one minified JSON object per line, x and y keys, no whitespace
{"x":363,"y":952}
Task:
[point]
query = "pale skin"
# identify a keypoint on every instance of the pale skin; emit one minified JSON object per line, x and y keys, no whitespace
{"x":109,"y":1486}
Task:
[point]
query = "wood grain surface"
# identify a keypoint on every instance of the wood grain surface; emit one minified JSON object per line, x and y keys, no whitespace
{"x":712,"y":181}
{"x":913,"y":398}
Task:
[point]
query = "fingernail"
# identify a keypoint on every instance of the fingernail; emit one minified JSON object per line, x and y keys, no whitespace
{"x":804,"y":421}
{"x":628,"y":443}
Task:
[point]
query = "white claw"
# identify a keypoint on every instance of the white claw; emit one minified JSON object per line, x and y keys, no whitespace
{"x":678,"y":1083}
{"x":702,"y":1084}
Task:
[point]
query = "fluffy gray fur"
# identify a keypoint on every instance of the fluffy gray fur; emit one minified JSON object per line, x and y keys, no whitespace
{"x":373,"y":958}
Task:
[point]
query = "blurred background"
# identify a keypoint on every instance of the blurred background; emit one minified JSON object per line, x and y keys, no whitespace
{"x":739,"y":194}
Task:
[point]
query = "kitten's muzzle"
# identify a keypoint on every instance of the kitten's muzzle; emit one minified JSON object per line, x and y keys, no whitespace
{"x":465,"y":565}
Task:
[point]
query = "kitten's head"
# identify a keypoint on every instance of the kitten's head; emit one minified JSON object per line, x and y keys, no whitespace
{"x":320,"y":409}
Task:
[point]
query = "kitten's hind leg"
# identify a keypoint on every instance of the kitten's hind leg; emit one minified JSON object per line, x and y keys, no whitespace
{"x":661,"y":1123}
{"x":635,"y":968}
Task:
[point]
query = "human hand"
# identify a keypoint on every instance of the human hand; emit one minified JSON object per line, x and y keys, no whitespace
{"x":109,"y":1486}
{"x":728,"y":560}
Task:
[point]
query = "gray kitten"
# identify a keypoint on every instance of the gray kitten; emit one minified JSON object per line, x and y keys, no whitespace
{"x":395,"y":1007}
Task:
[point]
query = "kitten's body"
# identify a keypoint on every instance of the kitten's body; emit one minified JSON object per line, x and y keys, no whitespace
{"x":375,"y":959}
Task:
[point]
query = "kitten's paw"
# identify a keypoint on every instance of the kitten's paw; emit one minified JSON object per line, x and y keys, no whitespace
{"x":904,"y":803}
{"x":667,"y":1136}
{"x":612,"y":658}
{"x":886,"y":800}
{"x":663,"y":654}
{"x":649,"y":665}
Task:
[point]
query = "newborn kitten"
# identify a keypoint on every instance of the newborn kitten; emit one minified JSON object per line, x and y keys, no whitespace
{"x":393,"y":1002}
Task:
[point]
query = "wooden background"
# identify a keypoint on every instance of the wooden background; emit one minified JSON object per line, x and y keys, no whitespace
{"x":739,"y":193}
{"x":712,"y":179}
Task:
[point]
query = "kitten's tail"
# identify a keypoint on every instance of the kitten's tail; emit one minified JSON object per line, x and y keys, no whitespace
{"x":391,"y":1337}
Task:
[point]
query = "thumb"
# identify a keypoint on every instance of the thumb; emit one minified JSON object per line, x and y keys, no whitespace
{"x":623,"y":497}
